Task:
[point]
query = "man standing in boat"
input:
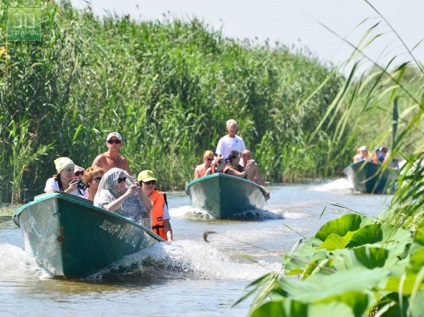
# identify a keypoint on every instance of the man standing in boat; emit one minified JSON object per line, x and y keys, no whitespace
{"x":111,"y":158}
{"x":230,"y":142}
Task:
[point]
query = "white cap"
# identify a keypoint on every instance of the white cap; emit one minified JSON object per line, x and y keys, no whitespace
{"x":362,"y":148}
{"x":116,"y":134}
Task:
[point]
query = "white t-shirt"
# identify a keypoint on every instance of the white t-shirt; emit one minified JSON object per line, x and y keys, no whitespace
{"x":53,"y":186}
{"x":166,"y":215}
{"x":227,"y":144}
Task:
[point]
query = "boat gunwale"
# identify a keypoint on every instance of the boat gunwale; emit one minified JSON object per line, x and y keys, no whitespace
{"x":80,"y":201}
{"x":194,"y":181}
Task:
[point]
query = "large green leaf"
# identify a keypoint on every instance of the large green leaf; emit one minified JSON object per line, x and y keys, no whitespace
{"x":318,"y":287}
{"x":357,"y":301}
{"x":285,"y":308}
{"x":298,"y":264}
{"x":371,"y":257}
{"x":366,"y":235}
{"x":334,"y":241}
{"x":346,"y":305}
{"x":340,"y":226}
{"x":416,"y":260}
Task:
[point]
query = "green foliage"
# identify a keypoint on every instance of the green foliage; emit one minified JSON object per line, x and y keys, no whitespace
{"x":168,"y":88}
{"x":357,"y":265}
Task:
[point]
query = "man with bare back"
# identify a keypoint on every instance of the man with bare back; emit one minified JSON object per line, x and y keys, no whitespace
{"x":111,"y":158}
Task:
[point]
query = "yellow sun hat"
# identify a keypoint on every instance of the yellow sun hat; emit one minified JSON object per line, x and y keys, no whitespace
{"x":146,"y":176}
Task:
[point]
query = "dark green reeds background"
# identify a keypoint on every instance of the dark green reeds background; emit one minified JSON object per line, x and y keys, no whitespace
{"x":168,"y":87}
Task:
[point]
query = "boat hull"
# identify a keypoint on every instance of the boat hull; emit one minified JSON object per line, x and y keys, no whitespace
{"x":368,"y":177}
{"x":224,"y":196}
{"x":71,"y":238}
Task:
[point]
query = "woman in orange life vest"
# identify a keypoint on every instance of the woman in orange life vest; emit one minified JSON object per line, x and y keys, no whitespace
{"x":159,"y":214}
{"x":207,"y":166}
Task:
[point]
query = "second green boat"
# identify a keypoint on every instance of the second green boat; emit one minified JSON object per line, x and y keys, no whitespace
{"x":224,"y":196}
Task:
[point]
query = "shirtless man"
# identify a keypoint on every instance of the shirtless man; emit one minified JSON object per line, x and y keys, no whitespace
{"x":111,"y":158}
{"x":254,"y":175}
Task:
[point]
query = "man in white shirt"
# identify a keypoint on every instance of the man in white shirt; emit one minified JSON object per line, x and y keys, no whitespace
{"x":230,"y":142}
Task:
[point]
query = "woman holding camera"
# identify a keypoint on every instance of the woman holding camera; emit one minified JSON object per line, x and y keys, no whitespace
{"x":119,"y":192}
{"x":92,"y":178}
{"x":63,"y":181}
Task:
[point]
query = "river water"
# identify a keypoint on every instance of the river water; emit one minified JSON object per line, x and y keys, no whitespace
{"x":188,"y":277}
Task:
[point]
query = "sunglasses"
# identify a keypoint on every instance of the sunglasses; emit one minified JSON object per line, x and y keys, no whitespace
{"x":113,"y":141}
{"x":209,"y":159}
{"x":150,"y":183}
{"x":79,"y":173}
{"x":98,"y":179}
{"x":123,"y":179}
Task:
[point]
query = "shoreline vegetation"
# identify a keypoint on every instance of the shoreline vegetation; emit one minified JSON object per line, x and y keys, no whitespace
{"x":169,"y":87}
{"x":364,"y":266}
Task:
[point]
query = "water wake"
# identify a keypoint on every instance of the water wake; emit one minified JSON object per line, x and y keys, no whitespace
{"x":188,"y":260}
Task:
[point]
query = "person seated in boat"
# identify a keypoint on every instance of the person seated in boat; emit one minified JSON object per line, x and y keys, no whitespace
{"x":361,"y":154}
{"x":78,"y":172}
{"x":234,"y":168}
{"x":92,"y":178}
{"x":118,"y":192}
{"x":62,"y":181}
{"x":375,"y":157}
{"x":382,"y":154}
{"x":205,"y":168}
{"x":160,"y":213}
{"x":254,"y":175}
{"x":111,"y":158}
{"x":220,"y":165}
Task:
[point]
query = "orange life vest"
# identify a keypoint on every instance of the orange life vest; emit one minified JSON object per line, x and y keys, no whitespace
{"x":158,"y":200}
{"x":201,"y":170}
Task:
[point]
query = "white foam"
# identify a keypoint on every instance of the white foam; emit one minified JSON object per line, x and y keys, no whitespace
{"x":16,"y":262}
{"x":187,"y":259}
{"x":341,"y":184}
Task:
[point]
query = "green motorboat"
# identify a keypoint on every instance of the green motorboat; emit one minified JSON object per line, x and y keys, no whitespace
{"x":224,"y":196}
{"x":71,"y":238}
{"x":368,"y":177}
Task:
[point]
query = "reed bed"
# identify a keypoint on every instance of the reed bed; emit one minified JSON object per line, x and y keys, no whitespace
{"x":168,"y":87}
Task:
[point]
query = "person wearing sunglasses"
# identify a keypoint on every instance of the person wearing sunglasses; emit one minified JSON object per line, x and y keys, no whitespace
{"x":63,"y":179}
{"x":234,"y":168}
{"x":111,"y":158}
{"x":78,"y":172}
{"x":206,"y":167}
{"x":92,"y":178}
{"x":361,"y":154}
{"x":118,"y":192}
{"x":160,"y":214}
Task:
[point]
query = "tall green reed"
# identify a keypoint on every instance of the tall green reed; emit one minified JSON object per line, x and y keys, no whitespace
{"x":168,"y":87}
{"x":358,"y":265}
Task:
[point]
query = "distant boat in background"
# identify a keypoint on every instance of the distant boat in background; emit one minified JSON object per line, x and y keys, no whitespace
{"x":224,"y":196}
{"x":368,"y":177}
{"x":71,"y":238}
